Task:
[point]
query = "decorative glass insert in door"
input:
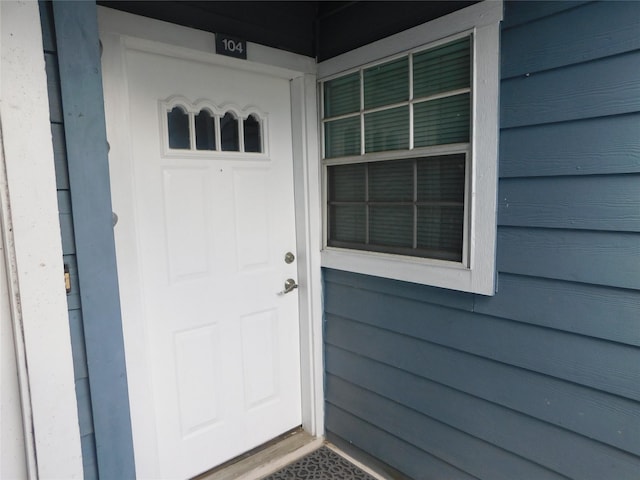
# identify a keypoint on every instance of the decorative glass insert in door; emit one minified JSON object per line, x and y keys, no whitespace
{"x":205,"y":128}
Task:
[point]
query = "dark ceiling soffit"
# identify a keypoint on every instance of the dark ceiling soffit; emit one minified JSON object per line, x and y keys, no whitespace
{"x":316,"y":29}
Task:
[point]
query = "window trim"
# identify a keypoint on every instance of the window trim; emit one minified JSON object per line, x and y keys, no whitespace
{"x":483,"y":21}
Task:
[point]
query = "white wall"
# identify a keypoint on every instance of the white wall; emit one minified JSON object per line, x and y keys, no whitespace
{"x":34,"y":253}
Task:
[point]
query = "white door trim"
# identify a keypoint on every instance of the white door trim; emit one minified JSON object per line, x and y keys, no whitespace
{"x":33,"y":255}
{"x":121,"y":31}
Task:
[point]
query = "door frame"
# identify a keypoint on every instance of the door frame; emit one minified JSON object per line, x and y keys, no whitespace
{"x":120,"y":31}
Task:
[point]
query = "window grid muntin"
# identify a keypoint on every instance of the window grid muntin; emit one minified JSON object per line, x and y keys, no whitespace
{"x":423,"y":253}
{"x":409,"y":54}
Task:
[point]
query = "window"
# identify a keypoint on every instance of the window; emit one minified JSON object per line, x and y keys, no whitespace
{"x":206,"y":130}
{"x":410,"y":154}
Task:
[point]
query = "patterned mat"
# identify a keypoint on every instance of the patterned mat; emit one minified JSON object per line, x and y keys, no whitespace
{"x":322,"y":464}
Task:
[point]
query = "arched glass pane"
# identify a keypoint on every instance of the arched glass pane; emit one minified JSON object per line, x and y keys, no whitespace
{"x":205,"y":131}
{"x":178,"y":126}
{"x":229,"y":133}
{"x":252,"y":137}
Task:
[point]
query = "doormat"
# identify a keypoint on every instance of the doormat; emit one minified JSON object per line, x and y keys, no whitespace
{"x":321,"y":464}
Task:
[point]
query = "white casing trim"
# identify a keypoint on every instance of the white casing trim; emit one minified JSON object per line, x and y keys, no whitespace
{"x":120,"y":32}
{"x":34,"y":251}
{"x":483,"y":19}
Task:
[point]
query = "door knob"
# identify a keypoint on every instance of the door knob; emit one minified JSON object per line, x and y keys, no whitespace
{"x":289,"y":286}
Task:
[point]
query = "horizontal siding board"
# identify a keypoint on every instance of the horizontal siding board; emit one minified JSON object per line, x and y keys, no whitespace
{"x":433,"y":436}
{"x":609,"y":202}
{"x":596,"y":311}
{"x":599,"y":258}
{"x":60,"y":156}
{"x":518,"y":12}
{"x":550,"y":447}
{"x":597,"y":30}
{"x":90,"y":467}
{"x":600,"y":416}
{"x":77,"y":344}
{"x":605,"y":145}
{"x":599,"y":364}
{"x":66,"y":228}
{"x":66,"y":222}
{"x":46,"y":21}
{"x":395,"y":452}
{"x":604,"y":87}
{"x":53,"y":88}
{"x":64,"y":202}
{"x":437,"y":296}
{"x":84,"y":406}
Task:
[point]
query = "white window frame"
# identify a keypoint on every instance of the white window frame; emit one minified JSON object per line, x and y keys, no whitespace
{"x":477,"y":275}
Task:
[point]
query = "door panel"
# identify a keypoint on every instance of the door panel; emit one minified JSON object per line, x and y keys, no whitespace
{"x":210,"y":231}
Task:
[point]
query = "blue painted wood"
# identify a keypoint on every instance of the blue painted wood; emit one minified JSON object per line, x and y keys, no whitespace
{"x":600,"y":312}
{"x":596,"y":146}
{"x":517,"y":12}
{"x":603,"y":417}
{"x":597,"y":30}
{"x":599,"y":364}
{"x":437,"y":296}
{"x":88,"y":445}
{"x":81,"y":87}
{"x":605,"y":87}
{"x":599,"y":258}
{"x":60,"y":156}
{"x":46,"y":21}
{"x":570,"y":202}
{"x":84,"y":398}
{"x":77,"y":344}
{"x":66,"y":222}
{"x":73,"y":299}
{"x":517,"y":438}
{"x":393,"y":451}
{"x":53,"y":88}
{"x":546,"y":368}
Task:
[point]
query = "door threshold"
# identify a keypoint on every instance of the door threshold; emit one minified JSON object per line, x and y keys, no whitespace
{"x":267,"y":458}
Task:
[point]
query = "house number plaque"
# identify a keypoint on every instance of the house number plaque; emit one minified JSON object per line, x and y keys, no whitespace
{"x":231,"y":46}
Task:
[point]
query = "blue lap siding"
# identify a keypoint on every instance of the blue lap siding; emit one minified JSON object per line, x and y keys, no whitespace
{"x":541,"y":380}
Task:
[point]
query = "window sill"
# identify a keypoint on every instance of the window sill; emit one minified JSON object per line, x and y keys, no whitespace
{"x":436,"y":273}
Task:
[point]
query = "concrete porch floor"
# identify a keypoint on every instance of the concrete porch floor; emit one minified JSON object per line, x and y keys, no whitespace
{"x":285,"y":450}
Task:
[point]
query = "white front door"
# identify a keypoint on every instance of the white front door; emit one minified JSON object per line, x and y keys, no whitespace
{"x":212,"y":342}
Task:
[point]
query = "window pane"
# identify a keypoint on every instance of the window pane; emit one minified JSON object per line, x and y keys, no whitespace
{"x":440,"y":231}
{"x":347,"y":183}
{"x":391,"y":181}
{"x":442,"y":69}
{"x":342,"y":137}
{"x":347,"y":223}
{"x":342,"y":95}
{"x":178,"y":126}
{"x":386,"y":84}
{"x":229,"y":133}
{"x":387,"y":130}
{"x":252,"y":137}
{"x":442,"y":121}
{"x":391,"y":226}
{"x":205,"y":131}
{"x":441,"y":179}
